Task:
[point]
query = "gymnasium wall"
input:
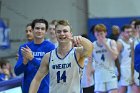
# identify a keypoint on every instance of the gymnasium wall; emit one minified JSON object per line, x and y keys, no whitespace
{"x":111,"y":12}
{"x":21,"y":12}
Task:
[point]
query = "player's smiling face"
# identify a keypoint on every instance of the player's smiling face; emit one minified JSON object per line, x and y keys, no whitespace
{"x":39,"y":30}
{"x":127,"y":33}
{"x":63,"y":33}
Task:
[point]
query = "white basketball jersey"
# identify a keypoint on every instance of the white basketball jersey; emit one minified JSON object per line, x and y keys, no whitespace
{"x":87,"y":81}
{"x":65,"y":73}
{"x":104,"y":63}
{"x":125,"y":55}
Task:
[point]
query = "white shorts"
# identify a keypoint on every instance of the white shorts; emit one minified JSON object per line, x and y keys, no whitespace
{"x":106,"y":86}
{"x":136,"y":80}
{"x":126,"y":77}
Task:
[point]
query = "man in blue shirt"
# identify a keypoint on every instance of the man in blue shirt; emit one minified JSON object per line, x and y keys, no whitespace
{"x":30,"y":55}
{"x":137,"y":58}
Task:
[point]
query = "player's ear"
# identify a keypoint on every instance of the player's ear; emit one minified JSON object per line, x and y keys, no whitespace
{"x":71,"y":34}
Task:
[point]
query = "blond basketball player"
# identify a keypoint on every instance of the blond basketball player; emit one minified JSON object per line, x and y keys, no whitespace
{"x":64,"y":64}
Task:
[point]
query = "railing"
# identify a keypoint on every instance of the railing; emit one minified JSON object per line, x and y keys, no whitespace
{"x":12,"y":83}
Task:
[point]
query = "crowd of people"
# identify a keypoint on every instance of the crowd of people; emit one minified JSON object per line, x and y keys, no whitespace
{"x":65,"y":63}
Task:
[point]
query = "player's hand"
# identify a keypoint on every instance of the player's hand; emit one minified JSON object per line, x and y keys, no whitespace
{"x":27,"y":53}
{"x":76,"y":40}
{"x":6,"y":71}
{"x":102,"y":40}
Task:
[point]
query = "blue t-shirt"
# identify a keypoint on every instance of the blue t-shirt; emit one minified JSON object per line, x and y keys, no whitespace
{"x":30,"y":69}
{"x":137,"y":58}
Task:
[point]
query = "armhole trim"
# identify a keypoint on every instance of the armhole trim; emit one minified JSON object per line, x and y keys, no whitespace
{"x":76,"y":59}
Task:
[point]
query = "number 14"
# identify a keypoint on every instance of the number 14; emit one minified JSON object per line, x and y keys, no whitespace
{"x":61,"y":77}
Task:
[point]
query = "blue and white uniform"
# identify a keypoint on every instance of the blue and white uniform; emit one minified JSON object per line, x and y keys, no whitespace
{"x":84,"y":82}
{"x":105,"y":77}
{"x":125,"y":60}
{"x":65,"y":73}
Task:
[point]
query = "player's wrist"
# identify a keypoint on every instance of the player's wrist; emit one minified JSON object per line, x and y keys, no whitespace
{"x":31,"y":58}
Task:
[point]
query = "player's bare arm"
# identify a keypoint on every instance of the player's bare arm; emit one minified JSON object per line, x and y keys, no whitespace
{"x":41,"y":73}
{"x":119,"y":46}
{"x":85,"y":50}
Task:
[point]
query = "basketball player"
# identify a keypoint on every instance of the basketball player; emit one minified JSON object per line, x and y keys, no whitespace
{"x":30,"y":55}
{"x":125,"y":58}
{"x":87,"y":81}
{"x":64,"y":63}
{"x":105,"y":52}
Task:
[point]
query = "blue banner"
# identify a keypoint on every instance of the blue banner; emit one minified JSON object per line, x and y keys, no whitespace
{"x":108,"y":22}
{"x":4,"y":35}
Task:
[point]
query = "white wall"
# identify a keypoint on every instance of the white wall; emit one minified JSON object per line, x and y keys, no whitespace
{"x":113,"y":8}
{"x":21,"y":12}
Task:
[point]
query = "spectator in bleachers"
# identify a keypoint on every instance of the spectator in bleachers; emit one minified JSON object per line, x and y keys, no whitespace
{"x":6,"y":70}
{"x":115,"y":33}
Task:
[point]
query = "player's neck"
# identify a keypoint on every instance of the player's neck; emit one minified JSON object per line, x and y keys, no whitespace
{"x":125,"y":40}
{"x":38,"y":41}
{"x":100,"y":43}
{"x":54,"y":40}
{"x":64,"y":49}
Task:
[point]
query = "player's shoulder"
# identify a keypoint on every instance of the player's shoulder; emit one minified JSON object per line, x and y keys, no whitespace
{"x":48,"y":43}
{"x":94,"y":42}
{"x":112,"y":41}
{"x":47,"y":56}
{"x":26,"y":44}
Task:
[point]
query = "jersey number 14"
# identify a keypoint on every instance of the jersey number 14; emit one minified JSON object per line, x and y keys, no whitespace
{"x":61,"y":76}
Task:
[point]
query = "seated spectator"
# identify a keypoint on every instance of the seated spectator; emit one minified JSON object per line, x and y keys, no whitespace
{"x":6,"y":70}
{"x":1,"y":74}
